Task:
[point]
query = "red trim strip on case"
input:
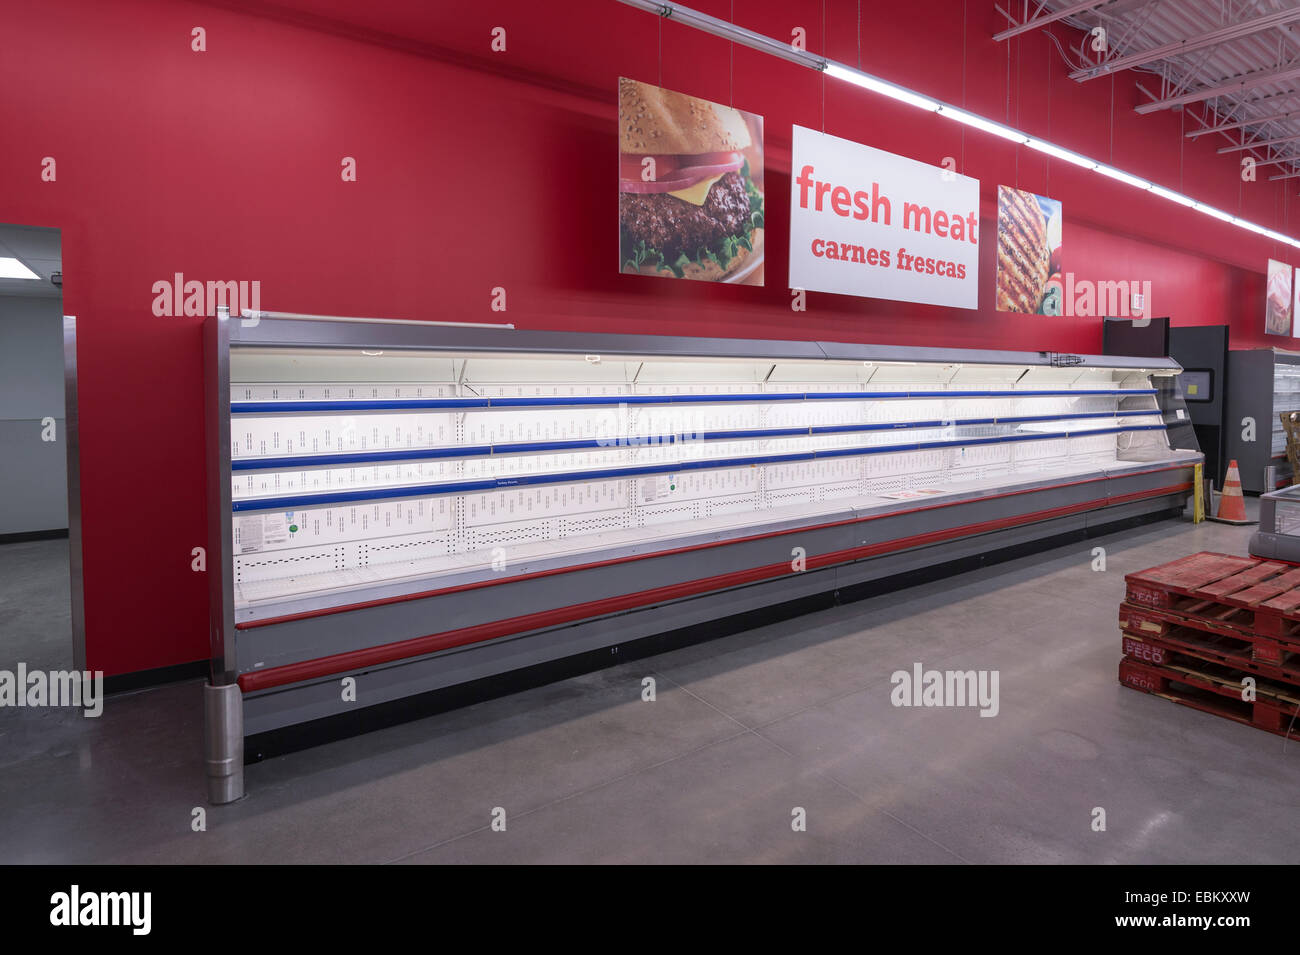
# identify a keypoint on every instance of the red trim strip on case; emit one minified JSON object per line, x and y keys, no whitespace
{"x":496,"y":581}
{"x":420,"y":646}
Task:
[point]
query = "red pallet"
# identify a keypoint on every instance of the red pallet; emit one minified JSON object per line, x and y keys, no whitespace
{"x":1223,"y":594}
{"x":1185,"y":645}
{"x":1145,"y":622}
{"x":1215,"y":689}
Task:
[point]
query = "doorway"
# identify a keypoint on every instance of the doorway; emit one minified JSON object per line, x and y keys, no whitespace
{"x":36,"y":605}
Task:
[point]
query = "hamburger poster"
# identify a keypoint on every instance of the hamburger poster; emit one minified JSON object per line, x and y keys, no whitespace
{"x":1029,"y":253}
{"x":1277,"y":304}
{"x":690,"y":192}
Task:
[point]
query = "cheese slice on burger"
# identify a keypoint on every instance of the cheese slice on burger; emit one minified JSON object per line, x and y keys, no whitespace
{"x":697,"y":193}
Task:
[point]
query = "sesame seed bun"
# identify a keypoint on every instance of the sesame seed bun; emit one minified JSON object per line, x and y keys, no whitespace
{"x":654,"y":121}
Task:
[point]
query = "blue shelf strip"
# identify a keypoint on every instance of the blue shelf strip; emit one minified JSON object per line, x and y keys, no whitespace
{"x":300,"y":501}
{"x":463,"y":404}
{"x":596,"y":444}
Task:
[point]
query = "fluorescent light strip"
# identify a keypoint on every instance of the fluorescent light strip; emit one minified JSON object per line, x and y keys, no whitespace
{"x":1060,"y":153}
{"x":1216,"y":213}
{"x":883,"y":87}
{"x":894,"y":91}
{"x":11,"y":268}
{"x":1172,"y":196}
{"x":979,"y":122}
{"x":1123,"y":177}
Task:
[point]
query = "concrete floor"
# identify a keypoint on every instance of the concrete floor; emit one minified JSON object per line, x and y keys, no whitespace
{"x":35,"y":609}
{"x":745,"y":729}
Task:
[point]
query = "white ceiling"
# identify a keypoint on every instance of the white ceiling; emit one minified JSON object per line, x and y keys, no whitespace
{"x":1224,"y":63}
{"x":39,"y":250}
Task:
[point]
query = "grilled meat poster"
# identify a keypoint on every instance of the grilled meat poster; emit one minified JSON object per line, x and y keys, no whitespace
{"x":1277,"y":304}
{"x":690,"y":203}
{"x":1029,"y":253}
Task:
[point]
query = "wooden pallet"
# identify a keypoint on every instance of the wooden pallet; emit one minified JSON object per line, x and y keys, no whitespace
{"x":1149,"y":623}
{"x":1216,"y":689}
{"x":1185,"y":645}
{"x":1224,"y":594}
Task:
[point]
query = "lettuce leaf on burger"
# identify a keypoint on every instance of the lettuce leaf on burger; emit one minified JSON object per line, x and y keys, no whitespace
{"x":687,"y":205}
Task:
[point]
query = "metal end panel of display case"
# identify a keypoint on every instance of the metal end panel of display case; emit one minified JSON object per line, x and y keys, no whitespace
{"x":72,"y":428}
{"x":222,"y":701}
{"x":396,"y":642}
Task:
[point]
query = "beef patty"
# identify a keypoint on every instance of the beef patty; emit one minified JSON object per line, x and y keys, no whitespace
{"x":674,"y":226}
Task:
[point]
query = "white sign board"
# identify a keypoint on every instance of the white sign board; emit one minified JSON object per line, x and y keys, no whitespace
{"x":867,"y":222}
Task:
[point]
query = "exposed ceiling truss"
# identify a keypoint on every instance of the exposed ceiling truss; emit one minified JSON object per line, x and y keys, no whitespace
{"x":1232,"y":66}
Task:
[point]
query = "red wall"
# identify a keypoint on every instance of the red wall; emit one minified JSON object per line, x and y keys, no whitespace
{"x":478,"y":170}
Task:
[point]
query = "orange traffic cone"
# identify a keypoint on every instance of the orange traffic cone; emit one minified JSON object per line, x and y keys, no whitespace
{"x":1232,"y":506}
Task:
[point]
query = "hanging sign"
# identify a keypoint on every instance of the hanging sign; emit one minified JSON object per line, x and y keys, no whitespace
{"x":870,"y":223}
{"x":690,"y":188}
{"x":1029,"y":255}
{"x":1277,"y":301}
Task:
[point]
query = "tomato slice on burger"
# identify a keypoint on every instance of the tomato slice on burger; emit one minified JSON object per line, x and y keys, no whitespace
{"x":675,"y":172}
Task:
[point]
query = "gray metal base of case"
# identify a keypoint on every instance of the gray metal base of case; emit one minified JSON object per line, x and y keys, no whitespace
{"x":277,"y":707}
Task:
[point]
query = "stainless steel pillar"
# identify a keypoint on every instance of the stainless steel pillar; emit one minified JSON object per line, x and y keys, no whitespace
{"x":223,"y":742}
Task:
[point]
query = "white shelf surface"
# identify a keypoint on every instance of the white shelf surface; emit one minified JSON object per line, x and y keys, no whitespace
{"x":328,"y":553}
{"x":269,"y":598}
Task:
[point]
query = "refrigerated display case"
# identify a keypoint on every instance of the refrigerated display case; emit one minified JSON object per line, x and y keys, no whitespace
{"x":1262,"y":383}
{"x":1278,"y":537}
{"x":417,"y":505}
